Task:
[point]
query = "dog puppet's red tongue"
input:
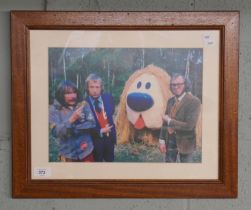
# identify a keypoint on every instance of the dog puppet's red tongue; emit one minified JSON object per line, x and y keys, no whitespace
{"x":139,"y":123}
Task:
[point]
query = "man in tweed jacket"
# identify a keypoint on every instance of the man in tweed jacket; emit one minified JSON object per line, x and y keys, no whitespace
{"x":177,"y":136}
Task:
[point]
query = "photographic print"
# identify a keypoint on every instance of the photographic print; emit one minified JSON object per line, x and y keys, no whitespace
{"x":138,"y":79}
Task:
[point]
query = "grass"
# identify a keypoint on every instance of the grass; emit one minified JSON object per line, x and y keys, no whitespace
{"x":140,"y":152}
{"x":137,"y":152}
{"x":131,"y":152}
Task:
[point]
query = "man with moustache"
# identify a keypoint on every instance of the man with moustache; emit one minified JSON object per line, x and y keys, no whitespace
{"x":177,"y":136}
{"x":71,"y":122}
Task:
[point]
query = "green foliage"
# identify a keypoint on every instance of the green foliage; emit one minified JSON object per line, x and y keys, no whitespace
{"x":53,"y":148}
{"x":115,"y":65}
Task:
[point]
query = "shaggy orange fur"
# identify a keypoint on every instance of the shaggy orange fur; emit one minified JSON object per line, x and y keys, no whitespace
{"x":125,"y":130}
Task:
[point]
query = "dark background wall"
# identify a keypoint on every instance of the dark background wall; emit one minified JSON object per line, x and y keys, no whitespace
{"x":243,"y":202}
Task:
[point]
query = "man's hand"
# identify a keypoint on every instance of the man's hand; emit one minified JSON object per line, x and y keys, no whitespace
{"x":76,"y":115}
{"x":162,"y":148}
{"x":106,"y":129}
{"x":166,"y":118}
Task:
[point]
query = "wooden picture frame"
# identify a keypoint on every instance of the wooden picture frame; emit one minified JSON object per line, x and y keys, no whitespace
{"x":224,"y":186}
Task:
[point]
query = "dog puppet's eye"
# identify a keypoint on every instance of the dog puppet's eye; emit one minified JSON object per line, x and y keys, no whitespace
{"x":148,"y":85}
{"x":139,"y":84}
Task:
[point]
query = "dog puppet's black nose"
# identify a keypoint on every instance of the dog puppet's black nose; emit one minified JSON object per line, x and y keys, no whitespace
{"x":139,"y":102}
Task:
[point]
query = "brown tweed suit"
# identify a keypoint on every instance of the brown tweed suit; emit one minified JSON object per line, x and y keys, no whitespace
{"x":184,"y":115}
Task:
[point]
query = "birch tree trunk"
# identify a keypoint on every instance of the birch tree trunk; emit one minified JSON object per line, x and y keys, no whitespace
{"x":64,"y":66}
{"x":108,"y":76}
{"x":143,"y":58}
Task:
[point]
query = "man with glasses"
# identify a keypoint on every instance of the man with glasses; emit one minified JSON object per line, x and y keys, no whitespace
{"x":177,"y":136}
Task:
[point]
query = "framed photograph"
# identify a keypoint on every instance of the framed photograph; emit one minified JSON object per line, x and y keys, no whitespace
{"x":124,"y":104}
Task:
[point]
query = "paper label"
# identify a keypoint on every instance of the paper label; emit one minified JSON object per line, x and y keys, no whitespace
{"x":208,"y":39}
{"x":42,"y":172}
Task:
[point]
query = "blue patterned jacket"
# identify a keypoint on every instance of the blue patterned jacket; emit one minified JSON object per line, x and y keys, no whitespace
{"x":72,"y":136}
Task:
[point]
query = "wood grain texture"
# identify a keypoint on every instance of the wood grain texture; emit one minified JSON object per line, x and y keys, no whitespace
{"x":226,"y":186}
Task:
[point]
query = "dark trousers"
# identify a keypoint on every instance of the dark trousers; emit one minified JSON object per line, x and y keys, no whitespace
{"x":172,"y":152}
{"x":103,"y":150}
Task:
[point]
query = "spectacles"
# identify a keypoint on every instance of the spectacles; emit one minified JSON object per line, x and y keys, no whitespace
{"x":177,"y":84}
